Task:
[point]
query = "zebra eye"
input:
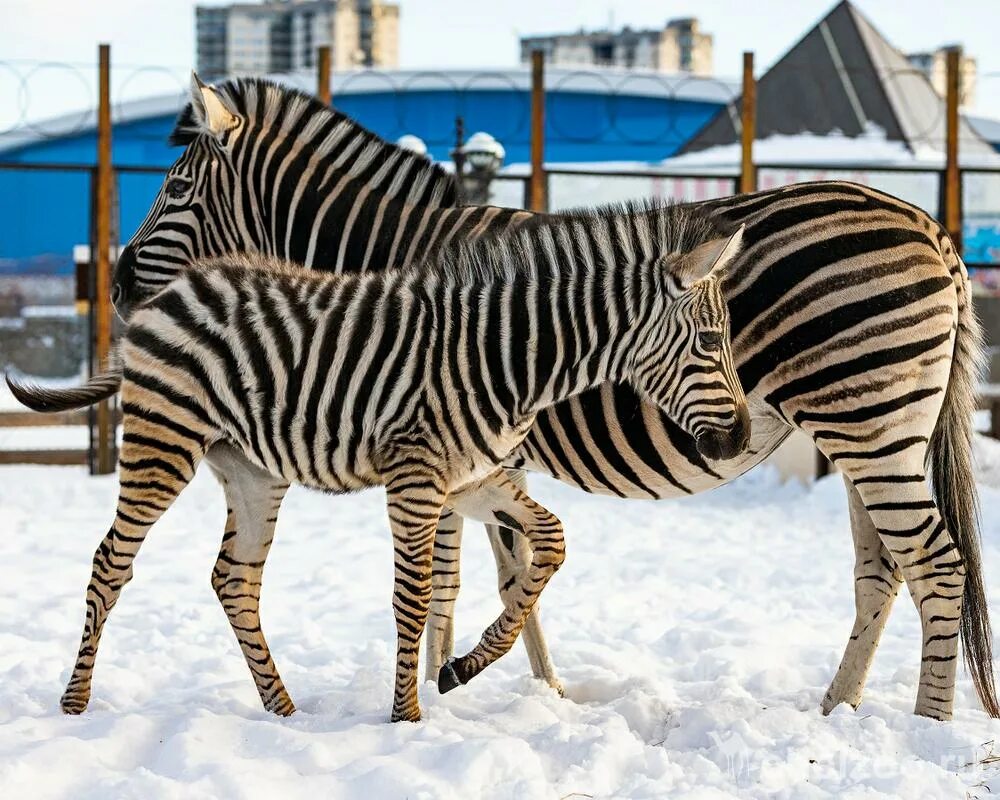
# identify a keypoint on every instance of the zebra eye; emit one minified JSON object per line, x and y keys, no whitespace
{"x":710,"y":340}
{"x":178,"y":187}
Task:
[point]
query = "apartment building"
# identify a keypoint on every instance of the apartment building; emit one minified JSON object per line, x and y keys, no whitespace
{"x":934,"y":65}
{"x":282,"y":35}
{"x":680,"y":46}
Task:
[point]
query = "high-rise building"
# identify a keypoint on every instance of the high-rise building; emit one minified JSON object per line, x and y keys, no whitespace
{"x":282,"y":35}
{"x":679,"y":46}
{"x":934,"y":64}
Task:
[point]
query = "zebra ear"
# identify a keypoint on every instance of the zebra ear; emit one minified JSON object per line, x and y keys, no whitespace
{"x":211,"y":111}
{"x":708,"y":259}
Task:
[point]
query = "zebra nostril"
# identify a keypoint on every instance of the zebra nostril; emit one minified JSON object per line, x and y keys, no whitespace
{"x":116,"y":293}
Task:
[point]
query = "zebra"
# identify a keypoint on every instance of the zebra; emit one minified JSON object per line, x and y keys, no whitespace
{"x":851,"y":321}
{"x":419,"y":380}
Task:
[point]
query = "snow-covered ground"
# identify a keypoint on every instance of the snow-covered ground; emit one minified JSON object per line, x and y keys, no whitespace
{"x":695,"y":640}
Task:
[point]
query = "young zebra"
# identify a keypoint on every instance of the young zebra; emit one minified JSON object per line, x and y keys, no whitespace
{"x":851,"y":322}
{"x":419,"y":380}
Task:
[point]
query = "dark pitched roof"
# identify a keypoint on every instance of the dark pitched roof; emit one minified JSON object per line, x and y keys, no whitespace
{"x":843,"y":75}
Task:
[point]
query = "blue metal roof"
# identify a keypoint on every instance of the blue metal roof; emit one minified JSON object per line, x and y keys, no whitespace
{"x":601,"y":116}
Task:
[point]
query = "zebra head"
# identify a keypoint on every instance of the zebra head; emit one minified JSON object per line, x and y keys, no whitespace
{"x":195,"y":213}
{"x":684,"y":361}
{"x":269,"y":169}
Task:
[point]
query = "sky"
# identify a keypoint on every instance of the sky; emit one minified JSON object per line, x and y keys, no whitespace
{"x":480,"y":33}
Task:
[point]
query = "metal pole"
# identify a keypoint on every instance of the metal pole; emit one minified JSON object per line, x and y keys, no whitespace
{"x":323,"y":74}
{"x":748,"y":126}
{"x":538,"y":200}
{"x":952,"y":175}
{"x":822,"y":465}
{"x":458,"y":157}
{"x":92,"y":362}
{"x":102,"y":300}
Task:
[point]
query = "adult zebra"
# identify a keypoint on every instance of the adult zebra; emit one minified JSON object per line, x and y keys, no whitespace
{"x":851,"y":320}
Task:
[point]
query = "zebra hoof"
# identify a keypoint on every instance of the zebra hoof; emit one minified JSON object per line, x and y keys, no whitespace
{"x":73,"y":704}
{"x":448,"y":677}
{"x":281,"y":705}
{"x":405,"y":715}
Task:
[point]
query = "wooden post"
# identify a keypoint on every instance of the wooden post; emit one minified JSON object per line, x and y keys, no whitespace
{"x":323,"y":74}
{"x":105,"y":460}
{"x":538,"y":200}
{"x":952,"y":176}
{"x":748,"y":126}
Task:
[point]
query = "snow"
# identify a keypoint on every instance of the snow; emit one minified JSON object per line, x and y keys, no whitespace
{"x":50,"y":312}
{"x":870,"y":148}
{"x":54,"y":438}
{"x":695,"y":640}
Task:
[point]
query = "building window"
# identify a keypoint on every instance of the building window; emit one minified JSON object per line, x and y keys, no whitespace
{"x":604,"y":53}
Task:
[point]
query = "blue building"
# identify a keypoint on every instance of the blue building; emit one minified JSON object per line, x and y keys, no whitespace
{"x":594,"y":116}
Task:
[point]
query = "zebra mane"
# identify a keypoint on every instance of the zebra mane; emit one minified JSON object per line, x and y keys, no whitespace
{"x":636,"y":229}
{"x":267,"y":104}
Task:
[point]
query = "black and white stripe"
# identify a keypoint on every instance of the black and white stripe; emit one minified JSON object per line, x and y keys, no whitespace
{"x":851,"y":321}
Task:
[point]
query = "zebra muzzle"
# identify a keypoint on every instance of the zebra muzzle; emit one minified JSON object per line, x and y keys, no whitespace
{"x":719,"y":443}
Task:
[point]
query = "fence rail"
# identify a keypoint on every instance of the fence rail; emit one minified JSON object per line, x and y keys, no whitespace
{"x":34,"y":419}
{"x":53,"y":458}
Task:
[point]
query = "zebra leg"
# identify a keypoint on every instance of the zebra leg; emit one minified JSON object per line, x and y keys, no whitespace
{"x":513,"y":556}
{"x":912,"y":530}
{"x":150,"y":479}
{"x":415,"y":497}
{"x":496,"y":500}
{"x":876,"y":583}
{"x":445,"y":583}
{"x":253,"y":498}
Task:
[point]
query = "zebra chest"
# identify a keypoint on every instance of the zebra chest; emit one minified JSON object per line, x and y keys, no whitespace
{"x":459,"y":447}
{"x":478,"y":458}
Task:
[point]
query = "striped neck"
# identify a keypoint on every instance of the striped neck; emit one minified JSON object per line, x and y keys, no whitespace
{"x":310,"y":184}
{"x":562,"y":319}
{"x":325,"y":209}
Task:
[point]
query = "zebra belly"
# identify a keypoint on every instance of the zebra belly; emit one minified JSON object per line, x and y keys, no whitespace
{"x":608,"y":442}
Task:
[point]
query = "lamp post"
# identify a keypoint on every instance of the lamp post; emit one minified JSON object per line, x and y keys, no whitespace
{"x":412,"y":143}
{"x":477,"y":163}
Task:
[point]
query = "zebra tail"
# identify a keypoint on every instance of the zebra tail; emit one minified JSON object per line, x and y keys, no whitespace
{"x":950,"y":457}
{"x":39,"y":398}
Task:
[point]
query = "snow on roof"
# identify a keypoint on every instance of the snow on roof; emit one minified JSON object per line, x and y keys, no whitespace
{"x":49,"y":312}
{"x":871,"y":149}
